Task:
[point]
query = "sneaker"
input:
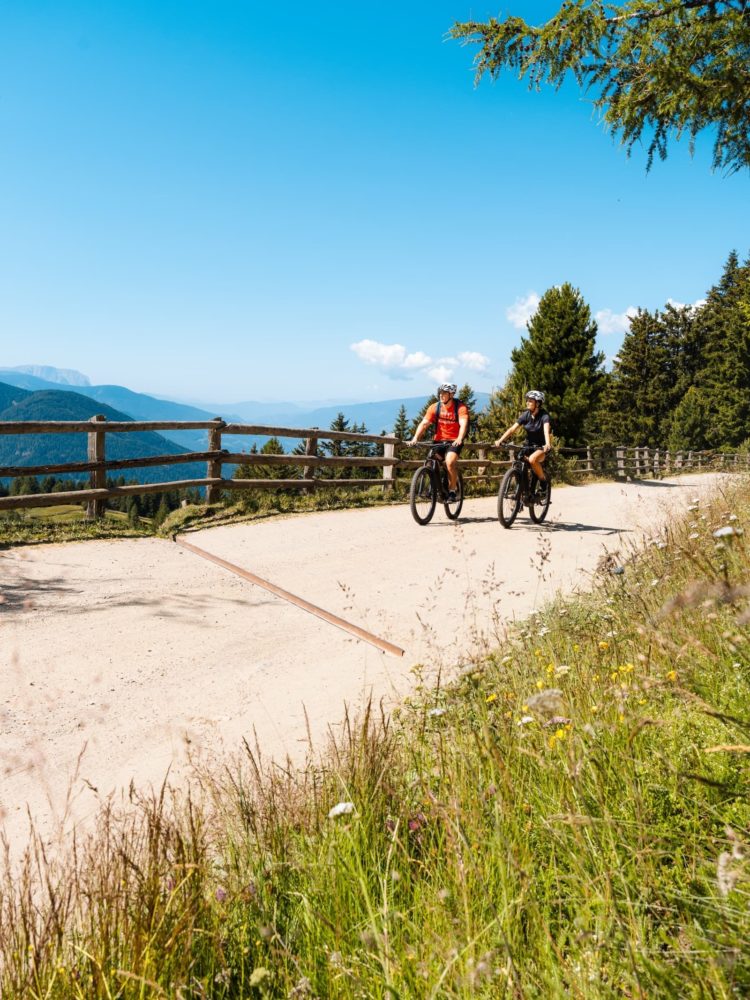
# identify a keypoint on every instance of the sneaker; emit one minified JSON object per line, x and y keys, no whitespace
{"x":451,"y":496}
{"x":543,"y":491}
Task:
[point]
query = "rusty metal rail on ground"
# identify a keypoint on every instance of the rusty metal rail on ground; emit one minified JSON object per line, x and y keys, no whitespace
{"x":300,"y":602}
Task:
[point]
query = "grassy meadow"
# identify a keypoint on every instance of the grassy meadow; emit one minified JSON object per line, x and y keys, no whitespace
{"x":569,"y":817}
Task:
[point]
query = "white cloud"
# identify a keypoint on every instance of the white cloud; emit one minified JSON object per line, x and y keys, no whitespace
{"x":397,"y":363}
{"x":522,"y":310}
{"x":417,"y":360}
{"x":474,"y":361}
{"x":440,"y":373}
{"x":699,"y":303}
{"x":383,"y":355}
{"x":609,"y":322}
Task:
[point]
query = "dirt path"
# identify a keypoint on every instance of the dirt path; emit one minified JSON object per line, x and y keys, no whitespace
{"x":125,"y":653}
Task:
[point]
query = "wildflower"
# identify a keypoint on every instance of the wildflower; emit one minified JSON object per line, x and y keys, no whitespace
{"x":525,"y":720}
{"x":603,"y":645}
{"x":436,"y":712}
{"x":221,"y":895}
{"x":576,"y":648}
{"x":341,"y":809}
{"x":727,"y":871}
{"x":562,"y":669}
{"x":727,"y":531}
{"x":672,"y":675}
{"x":538,"y":652}
{"x":548,"y":702}
{"x":259,"y":977}
{"x":543,"y":630}
{"x":595,"y":677}
{"x":693,"y":535}
{"x":490,"y":698}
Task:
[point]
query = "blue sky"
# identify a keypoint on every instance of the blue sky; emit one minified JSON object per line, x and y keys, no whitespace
{"x":231,"y":200}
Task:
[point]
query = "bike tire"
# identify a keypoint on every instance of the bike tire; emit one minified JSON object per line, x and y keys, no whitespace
{"x":453,"y":507}
{"x":538,"y":508}
{"x":422,"y":499}
{"x":509,"y":498}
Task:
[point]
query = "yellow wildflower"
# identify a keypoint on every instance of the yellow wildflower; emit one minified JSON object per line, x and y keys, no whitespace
{"x":672,"y":675}
{"x":603,"y":645}
{"x":490,"y":698}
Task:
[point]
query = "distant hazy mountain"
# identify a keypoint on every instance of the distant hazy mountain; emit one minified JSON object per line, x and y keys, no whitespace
{"x":377,"y":417}
{"x":52,"y":449}
{"x":64,"y":376}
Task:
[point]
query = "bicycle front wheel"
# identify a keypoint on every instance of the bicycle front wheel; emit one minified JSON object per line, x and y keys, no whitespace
{"x":453,"y":507}
{"x":422,"y":498}
{"x":509,"y":498}
{"x":540,"y":500}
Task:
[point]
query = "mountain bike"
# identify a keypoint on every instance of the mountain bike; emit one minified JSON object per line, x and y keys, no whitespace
{"x":520,"y":487}
{"x":429,"y":486}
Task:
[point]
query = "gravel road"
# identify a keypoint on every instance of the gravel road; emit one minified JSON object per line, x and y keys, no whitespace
{"x":116,"y":657}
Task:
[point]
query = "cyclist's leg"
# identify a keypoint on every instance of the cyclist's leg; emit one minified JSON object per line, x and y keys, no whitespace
{"x":451,"y":465}
{"x":536,"y":461}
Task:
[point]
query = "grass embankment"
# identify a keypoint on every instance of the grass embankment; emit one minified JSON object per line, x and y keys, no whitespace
{"x":569,"y":819}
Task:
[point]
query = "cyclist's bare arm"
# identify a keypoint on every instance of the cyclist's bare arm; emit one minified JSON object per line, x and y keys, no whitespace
{"x":463,"y":426}
{"x":420,"y":430}
{"x":510,"y":431}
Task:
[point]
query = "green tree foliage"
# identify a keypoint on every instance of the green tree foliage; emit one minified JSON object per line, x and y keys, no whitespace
{"x":401,"y":426}
{"x":689,"y":424}
{"x":501,"y":411}
{"x":636,"y":403}
{"x":558,"y":357}
{"x":725,"y":375}
{"x":656,"y":69}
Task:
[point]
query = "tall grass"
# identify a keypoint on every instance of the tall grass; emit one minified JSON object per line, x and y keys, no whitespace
{"x":568,"y":818}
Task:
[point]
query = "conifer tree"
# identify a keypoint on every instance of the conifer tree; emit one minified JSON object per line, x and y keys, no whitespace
{"x":401,"y":426}
{"x":689,"y":424}
{"x":558,"y":357}
{"x":654,"y":68}
{"x":636,"y":403}
{"x":725,"y":375}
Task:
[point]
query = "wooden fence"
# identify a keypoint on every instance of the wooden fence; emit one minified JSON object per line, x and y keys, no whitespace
{"x":484,"y":465}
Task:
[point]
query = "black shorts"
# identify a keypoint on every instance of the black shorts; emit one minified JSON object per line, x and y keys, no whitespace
{"x":445,"y":446}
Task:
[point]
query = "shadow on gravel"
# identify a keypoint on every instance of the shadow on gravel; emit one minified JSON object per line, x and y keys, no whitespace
{"x":20,"y":593}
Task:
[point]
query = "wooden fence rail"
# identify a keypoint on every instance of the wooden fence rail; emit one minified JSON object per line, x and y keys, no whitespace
{"x":606,"y":461}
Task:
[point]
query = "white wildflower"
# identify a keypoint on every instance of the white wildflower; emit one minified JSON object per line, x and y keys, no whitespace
{"x":547,"y":702}
{"x":727,"y":531}
{"x":525,"y":720}
{"x":562,"y":669}
{"x":341,"y":809}
{"x":436,"y":712}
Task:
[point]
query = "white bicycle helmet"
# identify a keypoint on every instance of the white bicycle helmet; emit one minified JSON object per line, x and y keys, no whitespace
{"x":448,"y":387}
{"x":535,"y":394}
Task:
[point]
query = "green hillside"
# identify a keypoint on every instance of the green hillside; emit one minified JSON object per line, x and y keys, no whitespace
{"x":48,"y":449}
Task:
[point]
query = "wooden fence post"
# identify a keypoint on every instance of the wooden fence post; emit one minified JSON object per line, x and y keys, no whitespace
{"x":98,"y":477}
{"x":389,"y":451}
{"x":308,"y":471}
{"x":482,"y":469}
{"x":213,"y":466}
{"x":589,"y":460}
{"x":620,"y":461}
{"x":667,"y":461}
{"x":690,"y":460}
{"x":656,"y":464}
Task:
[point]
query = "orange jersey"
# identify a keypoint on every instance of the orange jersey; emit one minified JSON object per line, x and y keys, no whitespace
{"x":448,"y":426}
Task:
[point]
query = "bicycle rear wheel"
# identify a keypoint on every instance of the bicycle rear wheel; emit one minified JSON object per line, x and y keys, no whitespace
{"x":422,"y":498}
{"x":540,"y":500}
{"x":453,"y":507}
{"x":509,"y":498}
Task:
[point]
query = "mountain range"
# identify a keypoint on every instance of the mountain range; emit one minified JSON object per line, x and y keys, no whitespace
{"x":376,"y":416}
{"x":52,"y":449}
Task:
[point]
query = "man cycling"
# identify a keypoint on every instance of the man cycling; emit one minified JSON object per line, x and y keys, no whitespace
{"x":452,"y":417}
{"x":535,"y":421}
